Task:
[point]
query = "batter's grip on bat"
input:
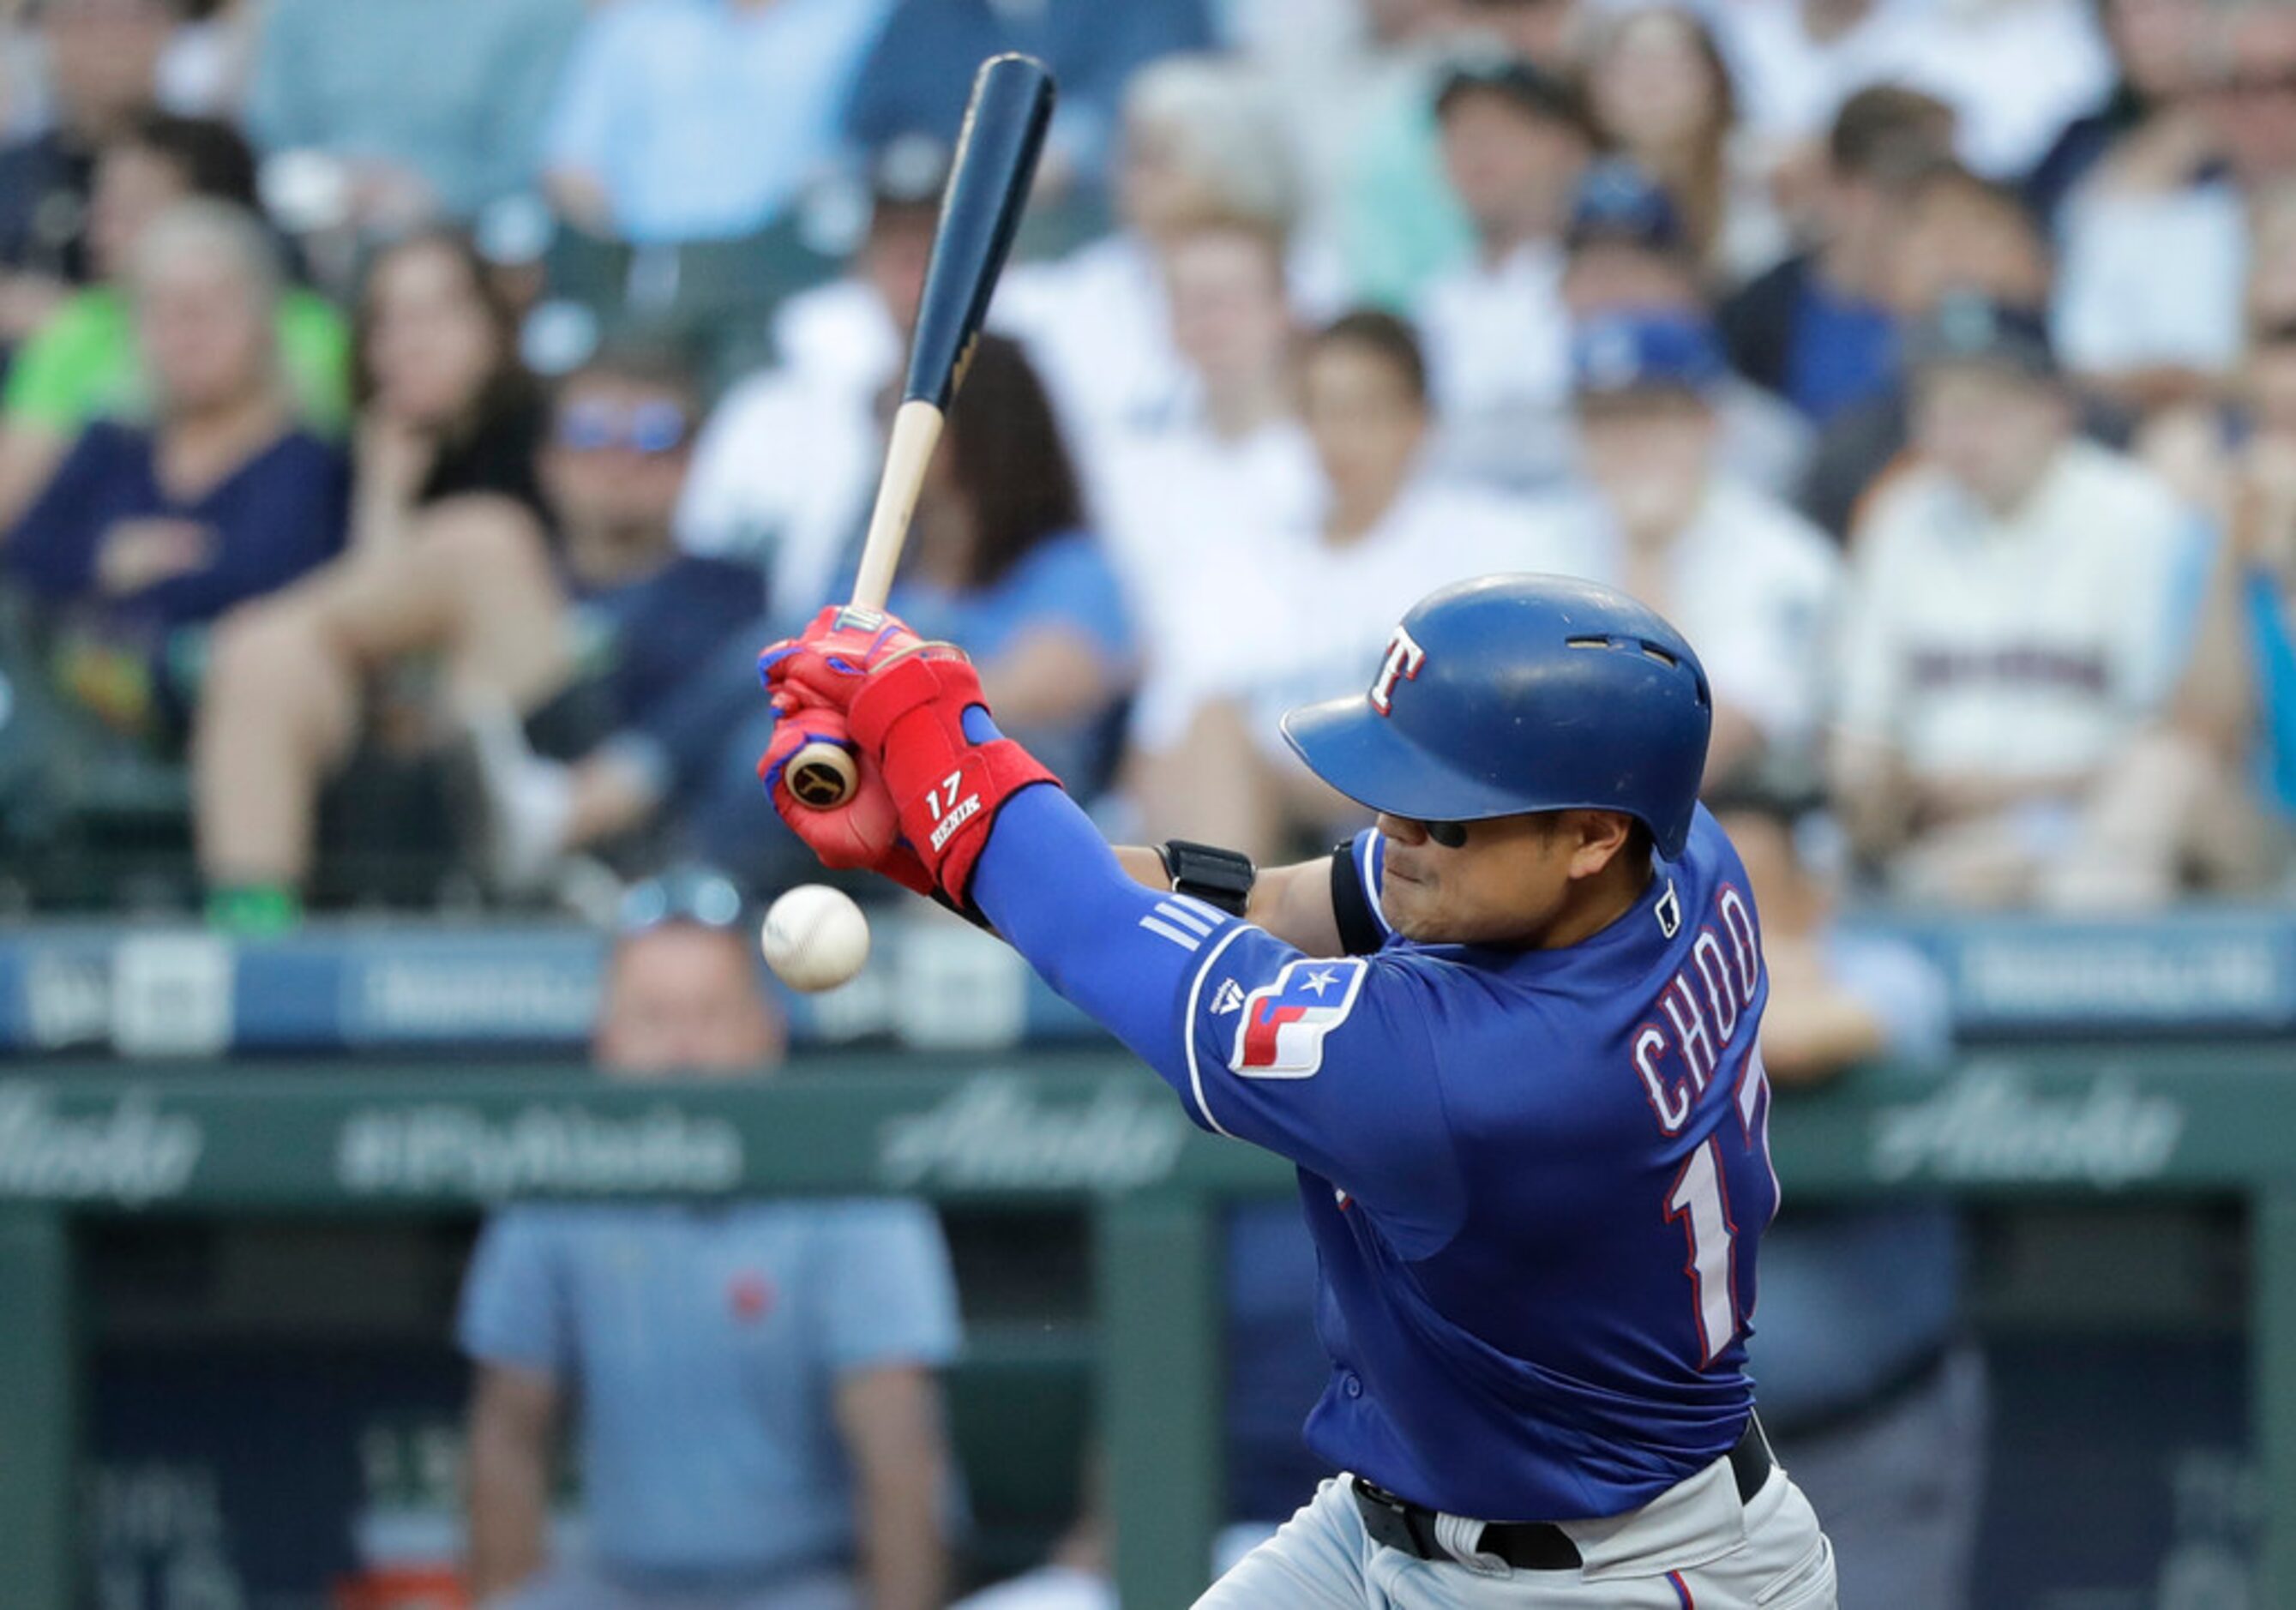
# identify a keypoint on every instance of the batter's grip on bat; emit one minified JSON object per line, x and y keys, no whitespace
{"x":821,"y":776}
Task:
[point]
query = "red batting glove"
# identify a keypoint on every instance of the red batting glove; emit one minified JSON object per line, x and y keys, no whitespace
{"x":827,"y":662}
{"x":946,"y":767}
{"x":916,"y":707}
{"x":866,"y":830}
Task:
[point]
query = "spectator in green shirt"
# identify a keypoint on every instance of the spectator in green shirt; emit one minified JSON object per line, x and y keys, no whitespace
{"x":81,"y":364}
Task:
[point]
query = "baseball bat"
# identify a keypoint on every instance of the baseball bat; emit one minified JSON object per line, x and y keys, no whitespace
{"x":988,"y":181}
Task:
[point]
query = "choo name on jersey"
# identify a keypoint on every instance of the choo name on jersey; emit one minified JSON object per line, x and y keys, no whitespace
{"x":1700,"y":1010}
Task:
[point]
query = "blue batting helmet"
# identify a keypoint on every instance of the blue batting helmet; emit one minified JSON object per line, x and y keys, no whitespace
{"x":1517,"y":694}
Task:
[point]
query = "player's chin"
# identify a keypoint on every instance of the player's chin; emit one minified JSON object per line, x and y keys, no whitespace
{"x":1406,"y":902}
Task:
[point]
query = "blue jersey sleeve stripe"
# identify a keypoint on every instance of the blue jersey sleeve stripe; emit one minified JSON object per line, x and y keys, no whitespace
{"x":1188,"y":1017}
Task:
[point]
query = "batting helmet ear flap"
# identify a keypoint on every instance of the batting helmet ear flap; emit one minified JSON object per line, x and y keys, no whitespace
{"x":1523,"y":693}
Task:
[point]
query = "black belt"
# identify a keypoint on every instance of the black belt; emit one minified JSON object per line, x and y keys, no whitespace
{"x":1397,"y":1523}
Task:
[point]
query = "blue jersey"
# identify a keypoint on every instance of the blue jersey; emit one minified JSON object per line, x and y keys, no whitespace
{"x":1537,"y":1179}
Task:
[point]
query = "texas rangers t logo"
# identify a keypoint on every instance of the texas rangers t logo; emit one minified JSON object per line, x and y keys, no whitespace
{"x":1281,"y":1034}
{"x":1404,"y":658}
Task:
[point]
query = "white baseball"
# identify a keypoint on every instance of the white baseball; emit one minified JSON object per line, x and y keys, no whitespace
{"x":814,"y":938}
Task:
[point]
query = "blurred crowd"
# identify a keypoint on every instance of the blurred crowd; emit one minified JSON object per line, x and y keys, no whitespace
{"x":415,"y":416}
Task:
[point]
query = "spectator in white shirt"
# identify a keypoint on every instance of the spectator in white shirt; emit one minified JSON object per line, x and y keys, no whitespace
{"x":1515,"y":140}
{"x":1751,"y":584}
{"x":2016,"y":71}
{"x":2156,"y":240}
{"x":1314,"y":609}
{"x":1203,"y":137}
{"x":786,"y":466}
{"x":2015,"y":623}
{"x":1193,"y":503}
{"x":1795,"y":62}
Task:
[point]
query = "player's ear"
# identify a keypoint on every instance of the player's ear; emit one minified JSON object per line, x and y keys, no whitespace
{"x":1598,"y":838}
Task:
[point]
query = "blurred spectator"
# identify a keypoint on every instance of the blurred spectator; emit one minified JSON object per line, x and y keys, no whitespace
{"x":23,"y":74}
{"x":414,"y":110}
{"x":1663,"y":518}
{"x":1544,"y":33}
{"x":1660,"y":94}
{"x":1867,"y":1383}
{"x":573,"y":649}
{"x":2162,"y":49}
{"x":1958,"y":233}
{"x":2239,"y":697}
{"x":2156,"y":237}
{"x":2197,"y":443}
{"x":916,"y":80}
{"x":446,"y":537}
{"x":1401,"y":224}
{"x":999,"y":561}
{"x":204,"y":71}
{"x":1314,"y":608}
{"x":786,"y":468}
{"x":1816,"y":329}
{"x":1796,"y":62}
{"x":2013,"y":632}
{"x":145,"y":533}
{"x":1202,"y":139}
{"x":1199,"y":496}
{"x":703,"y":120}
{"x":1624,"y":250}
{"x":80,"y":365}
{"x":756,"y":1381}
{"x":1396,"y":222}
{"x":1515,"y":140}
{"x":2014,"y":71}
{"x":1341,"y":71}
{"x":102,"y":56}
{"x":444,"y":409}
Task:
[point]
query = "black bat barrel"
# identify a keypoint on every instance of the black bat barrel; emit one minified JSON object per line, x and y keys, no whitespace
{"x":989,"y":182}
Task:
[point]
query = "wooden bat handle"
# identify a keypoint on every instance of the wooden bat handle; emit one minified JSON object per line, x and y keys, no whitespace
{"x":822,"y":774}
{"x":916,"y":431}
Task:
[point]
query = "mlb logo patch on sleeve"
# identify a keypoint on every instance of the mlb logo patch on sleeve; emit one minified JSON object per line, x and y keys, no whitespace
{"x":1281,"y":1035}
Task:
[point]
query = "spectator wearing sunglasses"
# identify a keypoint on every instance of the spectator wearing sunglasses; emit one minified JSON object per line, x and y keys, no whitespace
{"x":567,"y":638}
{"x":761,"y":1412}
{"x":999,"y":559}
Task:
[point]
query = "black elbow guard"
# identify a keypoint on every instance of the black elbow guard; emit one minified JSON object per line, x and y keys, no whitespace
{"x":1360,"y":931}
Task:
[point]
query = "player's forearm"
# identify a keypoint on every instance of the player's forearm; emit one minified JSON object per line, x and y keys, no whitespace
{"x":1293,"y":903}
{"x":1143,"y":866}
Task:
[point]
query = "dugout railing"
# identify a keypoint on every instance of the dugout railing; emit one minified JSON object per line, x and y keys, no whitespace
{"x":1086,"y":1130}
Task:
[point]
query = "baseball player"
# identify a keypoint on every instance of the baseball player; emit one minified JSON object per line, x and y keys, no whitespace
{"x":1507,"y":1036}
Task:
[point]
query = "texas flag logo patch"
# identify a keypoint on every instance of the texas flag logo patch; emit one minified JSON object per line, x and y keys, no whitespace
{"x":1281,"y":1035}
